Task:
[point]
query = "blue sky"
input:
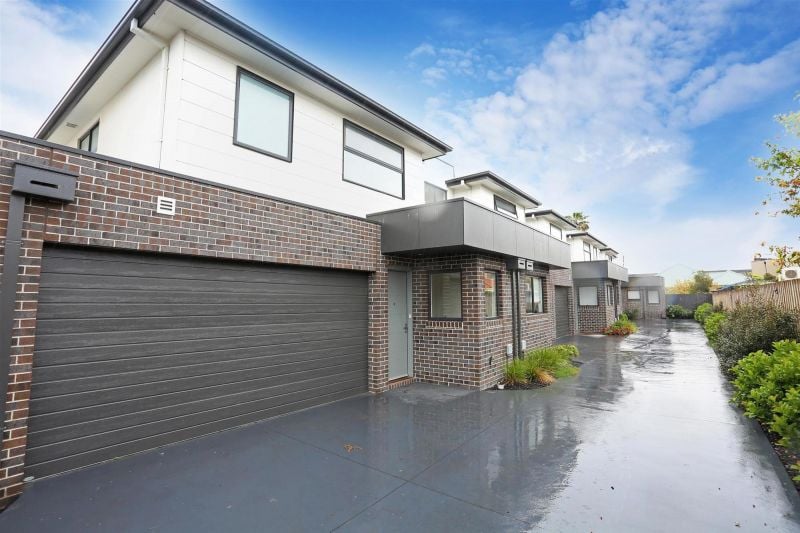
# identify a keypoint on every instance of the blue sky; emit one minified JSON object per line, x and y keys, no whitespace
{"x":642,"y":114}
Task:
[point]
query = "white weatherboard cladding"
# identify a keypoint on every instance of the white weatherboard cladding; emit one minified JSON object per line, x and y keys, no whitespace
{"x":480,"y":195}
{"x":129,"y":121}
{"x":203,"y":108}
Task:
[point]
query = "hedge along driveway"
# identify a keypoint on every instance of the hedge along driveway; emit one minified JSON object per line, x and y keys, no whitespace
{"x":644,"y":439}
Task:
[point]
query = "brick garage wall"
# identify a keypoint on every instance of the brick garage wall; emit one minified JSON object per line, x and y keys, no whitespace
{"x":115,"y":208}
{"x":562,"y":277}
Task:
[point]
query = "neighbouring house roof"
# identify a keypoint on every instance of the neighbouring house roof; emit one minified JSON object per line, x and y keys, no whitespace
{"x":609,"y":251}
{"x":586,"y":236}
{"x":496,"y":183}
{"x":552,"y":216}
{"x":204,"y":12}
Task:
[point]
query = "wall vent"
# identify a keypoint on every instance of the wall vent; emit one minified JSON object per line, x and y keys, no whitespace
{"x":165,"y":206}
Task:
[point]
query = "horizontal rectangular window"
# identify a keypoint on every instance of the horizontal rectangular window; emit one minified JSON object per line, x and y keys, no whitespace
{"x":264,"y":116}
{"x":634,"y":295}
{"x":534,"y":297}
{"x":89,"y":141}
{"x":372,"y":161}
{"x":434,"y":194}
{"x":587,"y":295}
{"x":445,"y":295}
{"x":490,"y":294}
{"x":556,"y":232}
{"x":504,"y":206}
{"x":652,"y":297}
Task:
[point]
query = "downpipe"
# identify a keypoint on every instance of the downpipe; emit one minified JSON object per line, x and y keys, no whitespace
{"x":164,"y":46}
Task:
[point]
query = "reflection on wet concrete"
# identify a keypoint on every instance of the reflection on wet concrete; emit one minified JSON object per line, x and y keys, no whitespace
{"x":643,"y":439}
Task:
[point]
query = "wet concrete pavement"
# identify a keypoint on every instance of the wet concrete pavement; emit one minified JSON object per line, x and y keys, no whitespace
{"x":644,"y":439}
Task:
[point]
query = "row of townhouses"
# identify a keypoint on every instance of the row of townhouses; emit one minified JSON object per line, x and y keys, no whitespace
{"x":209,"y":230}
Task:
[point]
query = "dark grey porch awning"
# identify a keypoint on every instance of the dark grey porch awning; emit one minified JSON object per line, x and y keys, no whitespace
{"x":459,"y":225}
{"x":601,"y":269}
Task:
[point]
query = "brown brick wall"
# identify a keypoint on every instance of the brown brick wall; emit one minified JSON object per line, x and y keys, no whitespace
{"x":115,"y":209}
{"x":595,"y":318}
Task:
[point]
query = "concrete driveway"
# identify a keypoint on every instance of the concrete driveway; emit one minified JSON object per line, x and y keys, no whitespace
{"x":643,"y":440}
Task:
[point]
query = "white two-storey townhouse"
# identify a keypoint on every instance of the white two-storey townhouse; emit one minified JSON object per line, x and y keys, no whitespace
{"x":210,"y":230}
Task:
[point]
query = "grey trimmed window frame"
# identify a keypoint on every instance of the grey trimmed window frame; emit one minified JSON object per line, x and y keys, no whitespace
{"x":560,"y":232}
{"x":658,"y":297}
{"x":587,"y":249}
{"x":347,"y":123}
{"x":93,"y":134}
{"x":596,"y":298}
{"x":496,"y":275}
{"x":506,"y":210}
{"x":638,"y":295}
{"x":431,"y":316}
{"x":243,"y":71}
{"x":529,"y":287}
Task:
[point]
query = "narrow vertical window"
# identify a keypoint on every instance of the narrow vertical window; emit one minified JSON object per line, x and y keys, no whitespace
{"x":534,"y":296}
{"x":490,"y":294}
{"x":264,"y":116}
{"x":89,"y":141}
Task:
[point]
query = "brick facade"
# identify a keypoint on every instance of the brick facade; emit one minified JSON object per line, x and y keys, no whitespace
{"x":471,"y":352}
{"x":114,"y":208}
{"x":643,"y":308}
{"x":595,"y":318}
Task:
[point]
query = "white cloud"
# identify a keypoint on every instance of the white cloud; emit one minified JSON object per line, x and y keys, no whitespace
{"x":598,"y":123}
{"x":425,"y":49}
{"x":42,"y":50}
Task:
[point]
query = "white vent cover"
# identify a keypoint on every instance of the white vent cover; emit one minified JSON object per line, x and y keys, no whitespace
{"x":165,"y":206}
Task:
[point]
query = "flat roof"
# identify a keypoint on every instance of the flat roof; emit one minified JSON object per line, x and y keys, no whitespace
{"x":142,"y":10}
{"x":491,"y":176}
{"x":552,"y":213}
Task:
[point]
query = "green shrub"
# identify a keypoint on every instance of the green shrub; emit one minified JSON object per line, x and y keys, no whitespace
{"x":515,"y":372}
{"x":786,"y":419}
{"x":678,"y":311}
{"x":633,"y":314}
{"x":702,"y":312}
{"x":621,"y":326}
{"x":542,"y":365}
{"x":750,"y":327}
{"x":712,"y":325}
{"x":767,"y":386}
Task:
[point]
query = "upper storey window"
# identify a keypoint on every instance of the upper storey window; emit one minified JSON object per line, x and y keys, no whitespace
{"x":372,"y":162}
{"x":264,"y":115}
{"x":556,"y":232}
{"x":504,"y":206}
{"x":89,"y":141}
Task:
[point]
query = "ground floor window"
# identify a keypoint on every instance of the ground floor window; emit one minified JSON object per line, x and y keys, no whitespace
{"x":652,"y":297}
{"x":634,"y":295}
{"x":587,"y":295}
{"x":534,"y":296}
{"x":610,"y":295}
{"x":490,"y":294}
{"x":445,"y":295}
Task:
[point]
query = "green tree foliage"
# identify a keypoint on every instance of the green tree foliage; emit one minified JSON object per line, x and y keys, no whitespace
{"x":579,"y":219}
{"x":702,"y":282}
{"x":781,"y":170}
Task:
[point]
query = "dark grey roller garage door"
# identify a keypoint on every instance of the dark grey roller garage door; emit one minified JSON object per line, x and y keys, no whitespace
{"x":562,"y":311}
{"x":136,"y":350}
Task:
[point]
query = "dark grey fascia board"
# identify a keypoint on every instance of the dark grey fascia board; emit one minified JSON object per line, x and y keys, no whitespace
{"x":586,"y":234}
{"x":162,"y":172}
{"x":211,"y":14}
{"x":645,"y":280}
{"x":599,"y":269}
{"x":108,"y":51}
{"x":551,"y":212}
{"x":609,"y":249}
{"x":459,"y":225}
{"x":488,"y":174}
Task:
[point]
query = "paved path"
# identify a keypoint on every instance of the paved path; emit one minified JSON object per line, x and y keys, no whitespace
{"x":643,"y":440}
